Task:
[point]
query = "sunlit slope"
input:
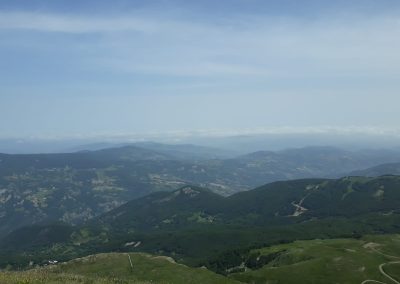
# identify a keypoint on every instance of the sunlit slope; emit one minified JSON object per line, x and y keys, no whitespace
{"x":345,"y":261}
{"x":116,"y":268}
{"x":327,"y":261}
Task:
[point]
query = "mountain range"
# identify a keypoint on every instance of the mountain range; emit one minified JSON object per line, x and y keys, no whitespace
{"x":198,"y":227}
{"x":76,"y":187}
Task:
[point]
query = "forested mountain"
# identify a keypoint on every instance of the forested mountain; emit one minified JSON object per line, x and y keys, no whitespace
{"x":75,"y":187}
{"x":196,"y":226}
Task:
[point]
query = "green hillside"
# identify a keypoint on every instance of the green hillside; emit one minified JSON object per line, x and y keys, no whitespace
{"x":345,"y":261}
{"x":170,"y":223}
{"x":115,"y":268}
{"x":288,"y":202}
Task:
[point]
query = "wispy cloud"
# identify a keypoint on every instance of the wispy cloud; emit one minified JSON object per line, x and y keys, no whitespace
{"x":160,"y":71}
{"x":245,"y":46}
{"x":46,"y":22}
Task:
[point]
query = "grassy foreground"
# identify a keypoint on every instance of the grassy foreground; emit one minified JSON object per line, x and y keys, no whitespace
{"x":115,"y":268}
{"x":344,"y":261}
{"x":328,"y":261}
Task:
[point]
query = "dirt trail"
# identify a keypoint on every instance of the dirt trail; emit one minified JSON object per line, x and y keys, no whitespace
{"x":381,"y":270}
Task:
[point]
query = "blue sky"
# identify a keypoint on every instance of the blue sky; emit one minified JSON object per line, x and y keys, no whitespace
{"x":118,"y":67}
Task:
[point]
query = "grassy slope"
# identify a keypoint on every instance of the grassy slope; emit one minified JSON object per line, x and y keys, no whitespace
{"x":327,"y":261}
{"x":115,"y":268}
{"x":316,"y":261}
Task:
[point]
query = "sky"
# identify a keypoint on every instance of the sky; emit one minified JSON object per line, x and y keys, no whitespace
{"x":85,"y":68}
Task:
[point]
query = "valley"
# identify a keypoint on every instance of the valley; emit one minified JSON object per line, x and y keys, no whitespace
{"x":75,"y":187}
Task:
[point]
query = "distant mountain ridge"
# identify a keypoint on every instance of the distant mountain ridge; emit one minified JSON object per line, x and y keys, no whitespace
{"x":385,"y":169}
{"x":175,"y":151}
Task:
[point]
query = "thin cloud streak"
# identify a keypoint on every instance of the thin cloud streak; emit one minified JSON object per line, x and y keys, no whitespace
{"x":270,"y":47}
{"x":223,"y":132}
{"x":159,"y":72}
{"x":71,"y":24}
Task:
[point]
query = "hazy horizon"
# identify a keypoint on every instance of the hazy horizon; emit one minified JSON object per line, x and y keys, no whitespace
{"x":236,"y":142}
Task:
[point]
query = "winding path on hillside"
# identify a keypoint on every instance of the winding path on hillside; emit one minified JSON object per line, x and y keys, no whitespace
{"x":382,"y":271}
